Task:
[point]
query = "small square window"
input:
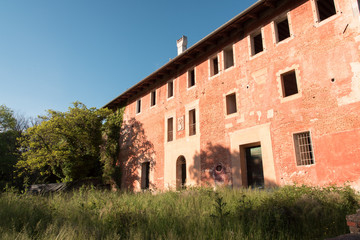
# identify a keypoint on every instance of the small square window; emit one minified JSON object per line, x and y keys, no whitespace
{"x":191,"y":78}
{"x":257,"y":45}
{"x":214,"y":66}
{"x":170,"y":129}
{"x":326,"y":9}
{"x":282,"y":30}
{"x":289,"y":84}
{"x":228,"y":57}
{"x":138,"y":106}
{"x":192,"y":122}
{"x":231,"y":104}
{"x":153,"y":98}
{"x":303,"y":149}
{"x":170,"y":89}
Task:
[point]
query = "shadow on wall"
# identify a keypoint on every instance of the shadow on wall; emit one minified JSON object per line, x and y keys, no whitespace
{"x":217,"y":169}
{"x":135,"y":150}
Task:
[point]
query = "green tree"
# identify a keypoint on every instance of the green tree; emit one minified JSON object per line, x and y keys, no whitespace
{"x":64,"y":144}
{"x":7,"y":119}
{"x":10,"y":130}
{"x":111,"y":148}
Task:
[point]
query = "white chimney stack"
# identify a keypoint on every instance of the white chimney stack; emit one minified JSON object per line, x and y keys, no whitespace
{"x":181,"y":44}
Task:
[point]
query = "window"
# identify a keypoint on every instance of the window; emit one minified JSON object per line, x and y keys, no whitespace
{"x":326,"y":9}
{"x":170,"y":129}
{"x":138,"y":106}
{"x":191,"y":78}
{"x":228,"y":57}
{"x":153,"y":98}
{"x":289,"y":83}
{"x":303,"y":149}
{"x":257,"y":43}
{"x":282,"y":29}
{"x":192,"y":122}
{"x":214,"y":66}
{"x":145,"y":175}
{"x":170,"y":89}
{"x":231,"y":104}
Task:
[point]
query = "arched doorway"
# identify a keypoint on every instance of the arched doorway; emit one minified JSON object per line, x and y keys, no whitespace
{"x":180,"y":172}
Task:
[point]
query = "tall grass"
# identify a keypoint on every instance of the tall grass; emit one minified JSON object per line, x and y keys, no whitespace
{"x":295,"y":212}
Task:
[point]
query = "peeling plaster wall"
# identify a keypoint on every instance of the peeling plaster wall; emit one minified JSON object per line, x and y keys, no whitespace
{"x":326,"y":59}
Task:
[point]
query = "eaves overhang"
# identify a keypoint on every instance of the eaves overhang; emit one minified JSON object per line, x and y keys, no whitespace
{"x":235,"y":23}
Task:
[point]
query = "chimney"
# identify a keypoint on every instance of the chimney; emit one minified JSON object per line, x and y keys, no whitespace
{"x":181,"y":44}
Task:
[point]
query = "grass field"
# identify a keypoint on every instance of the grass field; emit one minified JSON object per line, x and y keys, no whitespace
{"x":282,"y":213}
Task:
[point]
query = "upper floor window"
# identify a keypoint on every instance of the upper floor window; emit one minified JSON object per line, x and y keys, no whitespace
{"x":231,"y":104}
{"x":138,"y":106}
{"x":170,"y":89}
{"x":170,"y":129}
{"x":303,"y":149}
{"x":228,"y":57}
{"x":214,"y":66}
{"x":325,"y":9}
{"x":282,"y":29}
{"x":153,"y":98}
{"x":257,"y":45}
{"x":289,"y":83}
{"x":191,"y":78}
{"x":192,"y":122}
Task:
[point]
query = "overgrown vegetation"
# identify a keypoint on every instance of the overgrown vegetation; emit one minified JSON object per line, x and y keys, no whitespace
{"x":78,"y":144}
{"x":111,"y":147}
{"x":65,"y":145}
{"x":11,"y":128}
{"x":284,"y":213}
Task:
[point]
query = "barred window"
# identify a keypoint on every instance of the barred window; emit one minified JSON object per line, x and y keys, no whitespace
{"x":170,"y":128}
{"x":192,"y":123}
{"x":303,"y":149}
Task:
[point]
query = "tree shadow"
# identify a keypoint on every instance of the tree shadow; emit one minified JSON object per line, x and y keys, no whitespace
{"x":217,"y":169}
{"x":135,"y":149}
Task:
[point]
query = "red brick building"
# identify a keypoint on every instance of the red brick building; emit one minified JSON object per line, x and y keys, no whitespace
{"x":272,"y":97}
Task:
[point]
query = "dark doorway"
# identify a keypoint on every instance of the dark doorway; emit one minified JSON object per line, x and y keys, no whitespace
{"x":145,"y":175}
{"x":180,"y":172}
{"x":255,"y":174}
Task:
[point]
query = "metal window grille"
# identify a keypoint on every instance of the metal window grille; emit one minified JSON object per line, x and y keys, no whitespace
{"x":192,"y":123}
{"x":192,"y":129}
{"x":303,"y":149}
{"x":170,"y":135}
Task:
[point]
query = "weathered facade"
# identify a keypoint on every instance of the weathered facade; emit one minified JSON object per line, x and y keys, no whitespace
{"x":270,"y":98}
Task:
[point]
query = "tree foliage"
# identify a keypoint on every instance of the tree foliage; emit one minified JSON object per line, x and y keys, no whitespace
{"x":65,"y":144}
{"x":10,"y":130}
{"x":111,"y":147}
{"x":7,"y":119}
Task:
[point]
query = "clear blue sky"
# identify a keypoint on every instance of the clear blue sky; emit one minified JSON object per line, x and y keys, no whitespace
{"x":53,"y":53}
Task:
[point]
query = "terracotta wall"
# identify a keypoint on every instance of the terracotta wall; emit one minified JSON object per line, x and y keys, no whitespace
{"x":326,"y":59}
